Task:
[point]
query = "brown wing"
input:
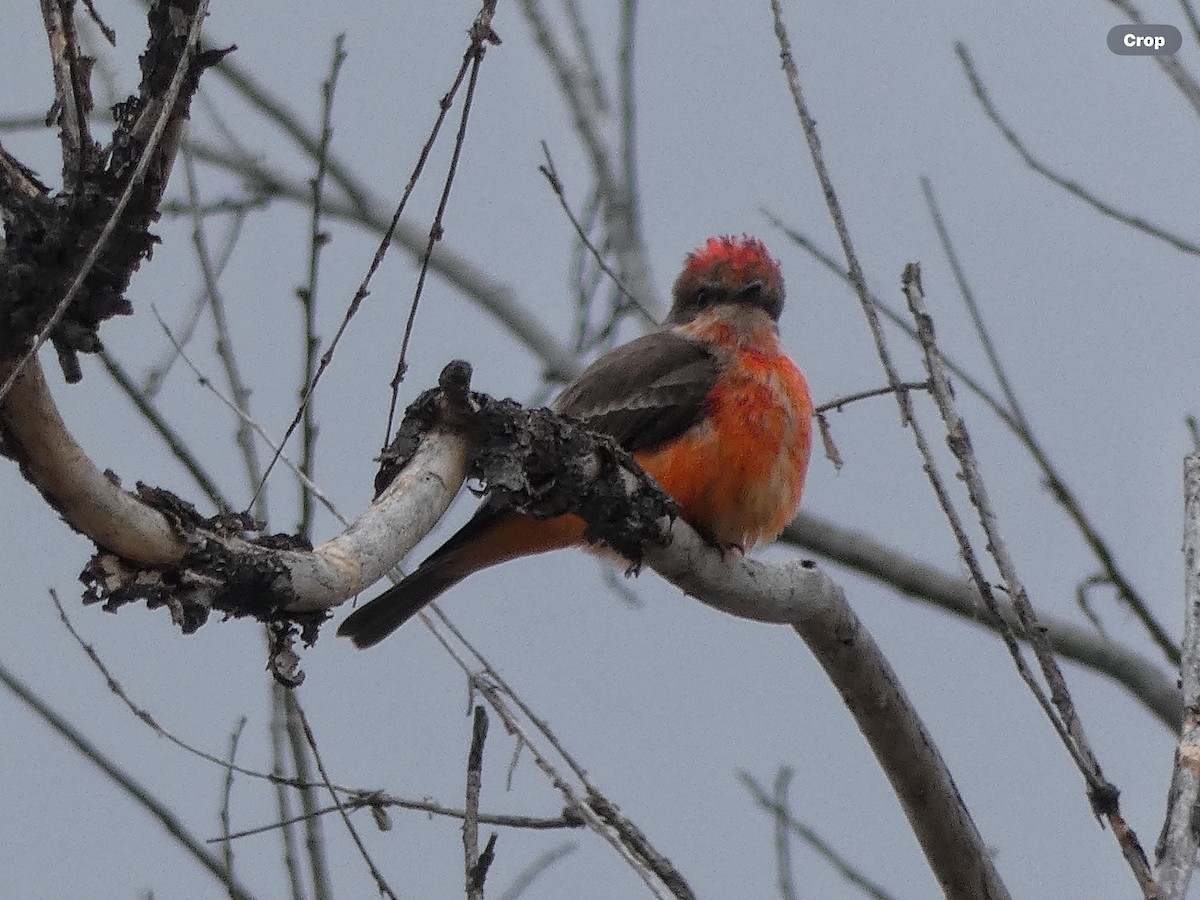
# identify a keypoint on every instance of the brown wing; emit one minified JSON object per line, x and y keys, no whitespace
{"x":642,"y":393}
{"x":645,"y":392}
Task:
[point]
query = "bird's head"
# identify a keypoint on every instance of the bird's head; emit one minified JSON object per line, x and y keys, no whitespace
{"x":729,"y":270}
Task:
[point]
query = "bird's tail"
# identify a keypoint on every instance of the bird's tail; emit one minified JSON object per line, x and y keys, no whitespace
{"x":491,"y":537}
{"x":372,"y":622}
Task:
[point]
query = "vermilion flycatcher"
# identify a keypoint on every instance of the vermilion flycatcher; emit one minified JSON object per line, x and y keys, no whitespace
{"x":709,"y":405}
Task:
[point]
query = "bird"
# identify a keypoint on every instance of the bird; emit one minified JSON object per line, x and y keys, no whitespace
{"x":710,"y":405}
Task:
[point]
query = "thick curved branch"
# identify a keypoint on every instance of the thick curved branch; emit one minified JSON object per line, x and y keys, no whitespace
{"x":211,"y":562}
{"x":801,"y":595}
{"x":93,"y":503}
{"x":203,"y":564}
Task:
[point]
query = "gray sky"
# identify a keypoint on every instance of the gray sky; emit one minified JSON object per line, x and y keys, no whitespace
{"x":664,"y":703}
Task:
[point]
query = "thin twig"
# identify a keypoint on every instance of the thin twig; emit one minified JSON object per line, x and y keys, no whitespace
{"x":1055,"y":482}
{"x":589,"y":71}
{"x":950,"y":592}
{"x":72,"y":94}
{"x":227,"y":793}
{"x":289,"y":841}
{"x":317,"y":239}
{"x":206,"y":382}
{"x":627,"y":99}
{"x":156,"y":373}
{"x":529,"y":874}
{"x":827,"y":442}
{"x":1170,"y":64}
{"x":148,"y":720}
{"x":154,"y":418}
{"x":783,"y":816}
{"x":314,"y":839}
{"x":838,"y":403}
{"x":947,"y":865}
{"x":968,"y":296}
{"x":1190,"y":14}
{"x":377,"y":800}
{"x":1024,"y":429}
{"x":239,"y":390}
{"x":493,"y":297}
{"x":170,"y":822}
{"x":783,"y":846}
{"x":380,"y":881}
{"x":826,"y":259}
{"x":1069,"y":185}
{"x":1102,"y":794}
{"x":592,"y":124}
{"x":551,"y":175}
{"x":481,"y":35}
{"x":495,"y":698}
{"x":854,"y":270}
{"x":380,"y":251}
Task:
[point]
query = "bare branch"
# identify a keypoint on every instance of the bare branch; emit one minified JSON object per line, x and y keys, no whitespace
{"x":72,"y":94}
{"x":493,"y":688}
{"x":1176,"y":851}
{"x":281,"y":735}
{"x":154,"y":133}
{"x":1055,"y":480}
{"x":1170,"y":65}
{"x":150,"y":413}
{"x":481,"y":35}
{"x":477,"y":864}
{"x":317,"y":239}
{"x":1067,"y":184}
{"x":380,"y":881}
{"x":227,"y":793}
{"x":556,"y":185}
{"x":239,"y":390}
{"x":1194,"y":21}
{"x":298,"y":748}
{"x":1102,"y":794}
{"x":777,"y":807}
{"x":800,"y":594}
{"x":783,"y":845}
{"x":595,"y":127}
{"x":36,"y":436}
{"x":498,"y":299}
{"x":141,"y":534}
{"x":527,"y":875}
{"x":968,"y":296}
{"x":840,"y":403}
{"x":959,"y":859}
{"x":125,"y":782}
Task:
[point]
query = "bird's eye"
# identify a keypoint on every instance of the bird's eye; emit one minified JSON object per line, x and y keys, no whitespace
{"x":751,"y":292}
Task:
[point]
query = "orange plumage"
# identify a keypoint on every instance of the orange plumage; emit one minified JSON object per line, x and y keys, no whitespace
{"x":738,"y":476}
{"x":711,"y":406}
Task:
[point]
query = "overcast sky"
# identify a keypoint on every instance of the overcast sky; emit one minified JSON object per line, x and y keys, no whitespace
{"x":665,"y":702}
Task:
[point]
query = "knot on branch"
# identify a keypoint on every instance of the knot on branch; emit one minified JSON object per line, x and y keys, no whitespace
{"x":541,"y":463}
{"x":223,"y":571}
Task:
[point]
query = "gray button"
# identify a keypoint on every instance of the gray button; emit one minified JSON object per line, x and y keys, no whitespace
{"x":1145,"y":40}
